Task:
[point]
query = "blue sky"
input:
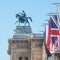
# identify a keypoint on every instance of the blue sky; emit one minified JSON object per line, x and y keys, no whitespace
{"x":36,"y":9}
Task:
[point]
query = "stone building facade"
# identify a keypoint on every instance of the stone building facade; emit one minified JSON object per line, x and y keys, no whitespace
{"x":26,"y":45}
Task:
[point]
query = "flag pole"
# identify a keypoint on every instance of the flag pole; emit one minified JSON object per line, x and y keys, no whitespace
{"x":57,"y":6}
{"x":47,"y":58}
{"x":49,"y":14}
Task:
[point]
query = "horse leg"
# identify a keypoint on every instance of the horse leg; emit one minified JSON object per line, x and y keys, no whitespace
{"x":28,"y":23}
{"x":25,"y":24}
{"x":16,"y":22}
{"x":19,"y":24}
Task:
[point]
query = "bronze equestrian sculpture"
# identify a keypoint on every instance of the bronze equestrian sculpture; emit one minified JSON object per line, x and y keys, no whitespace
{"x":22,"y":18}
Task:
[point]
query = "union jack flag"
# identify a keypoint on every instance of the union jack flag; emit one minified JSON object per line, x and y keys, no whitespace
{"x":54,"y":34}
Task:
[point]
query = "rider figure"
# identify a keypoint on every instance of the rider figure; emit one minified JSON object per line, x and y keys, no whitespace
{"x":23,"y":13}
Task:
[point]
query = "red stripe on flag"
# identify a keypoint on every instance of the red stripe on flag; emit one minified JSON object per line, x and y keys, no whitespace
{"x":54,"y":32}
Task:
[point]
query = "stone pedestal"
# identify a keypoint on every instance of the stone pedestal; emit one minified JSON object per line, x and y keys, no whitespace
{"x":22,"y":32}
